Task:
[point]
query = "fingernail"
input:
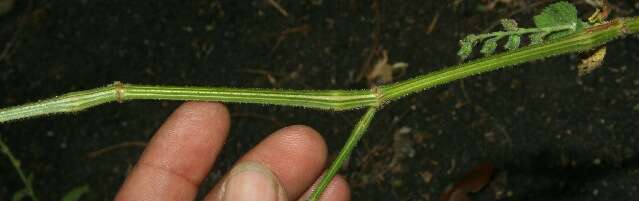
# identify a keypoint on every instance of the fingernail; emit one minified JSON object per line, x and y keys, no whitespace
{"x":250,"y":181}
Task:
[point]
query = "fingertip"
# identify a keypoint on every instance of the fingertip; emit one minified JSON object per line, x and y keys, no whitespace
{"x":301,"y":140}
{"x":216,"y":113}
{"x":337,"y":190}
{"x":297,"y":155}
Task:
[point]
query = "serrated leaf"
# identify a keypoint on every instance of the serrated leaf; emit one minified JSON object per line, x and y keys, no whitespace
{"x":513,"y":42}
{"x":560,"y":13}
{"x":76,"y":193}
{"x":466,"y":46}
{"x":489,"y":46}
{"x":509,"y":24}
{"x":537,"y":38}
{"x":557,"y":14}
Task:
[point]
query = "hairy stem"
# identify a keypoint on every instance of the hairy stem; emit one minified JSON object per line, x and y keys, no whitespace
{"x":78,"y":101}
{"x":632,"y":25}
{"x":586,"y":39}
{"x":326,"y":99}
{"x":344,"y":153}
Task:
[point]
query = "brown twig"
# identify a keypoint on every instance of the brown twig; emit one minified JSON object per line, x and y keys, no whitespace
{"x":278,"y":7}
{"x":433,"y":23}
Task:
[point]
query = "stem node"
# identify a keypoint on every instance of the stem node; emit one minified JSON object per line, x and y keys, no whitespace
{"x":119,"y":91}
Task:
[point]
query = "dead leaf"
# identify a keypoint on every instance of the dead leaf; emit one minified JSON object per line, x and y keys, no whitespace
{"x":472,"y":182}
{"x":592,"y":62}
{"x":382,"y":72}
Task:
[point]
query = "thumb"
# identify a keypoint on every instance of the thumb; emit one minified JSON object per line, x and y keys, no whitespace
{"x":252,"y":181}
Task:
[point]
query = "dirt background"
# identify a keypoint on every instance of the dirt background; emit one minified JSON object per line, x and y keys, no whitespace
{"x":550,"y":134}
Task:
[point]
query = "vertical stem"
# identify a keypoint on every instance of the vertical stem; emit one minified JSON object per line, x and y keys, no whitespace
{"x":16,"y":164}
{"x":344,"y":153}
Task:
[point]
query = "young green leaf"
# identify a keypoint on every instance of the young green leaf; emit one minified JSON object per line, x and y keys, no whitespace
{"x":509,"y":24}
{"x":466,"y":46}
{"x":554,"y":21}
{"x":513,"y":42}
{"x":558,"y":14}
{"x":489,"y":46}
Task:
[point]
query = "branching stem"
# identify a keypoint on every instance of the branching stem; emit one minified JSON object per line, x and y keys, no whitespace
{"x":344,"y":153}
{"x":337,"y":100}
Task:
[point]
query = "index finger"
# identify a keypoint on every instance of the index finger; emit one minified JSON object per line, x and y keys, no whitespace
{"x":179,"y":155}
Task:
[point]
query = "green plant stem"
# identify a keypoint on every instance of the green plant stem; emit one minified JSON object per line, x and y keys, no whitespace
{"x":521,"y":31}
{"x":632,"y":24}
{"x":78,"y":101}
{"x":586,"y":39}
{"x":325,"y":99}
{"x":344,"y":153}
{"x":16,"y":164}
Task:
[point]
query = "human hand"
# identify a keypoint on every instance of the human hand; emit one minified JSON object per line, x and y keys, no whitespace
{"x":181,"y":153}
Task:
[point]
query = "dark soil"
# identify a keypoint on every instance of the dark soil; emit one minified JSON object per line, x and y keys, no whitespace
{"x":550,"y":134}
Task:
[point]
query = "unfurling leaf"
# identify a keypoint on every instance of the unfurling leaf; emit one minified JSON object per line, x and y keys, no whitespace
{"x":557,"y":14}
{"x":556,"y":20}
{"x":466,"y":46}
{"x":513,"y":42}
{"x":489,"y":46}
{"x":509,"y":24}
{"x":537,"y":38}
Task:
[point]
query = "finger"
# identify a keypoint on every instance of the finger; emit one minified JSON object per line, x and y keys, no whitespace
{"x":337,"y":190}
{"x":295,"y":154}
{"x":179,"y":155}
{"x":250,"y":181}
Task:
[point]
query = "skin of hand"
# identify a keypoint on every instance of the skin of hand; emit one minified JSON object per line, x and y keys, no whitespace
{"x":282,"y":167}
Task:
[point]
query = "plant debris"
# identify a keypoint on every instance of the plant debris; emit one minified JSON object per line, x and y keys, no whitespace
{"x":382,"y":72}
{"x":472,"y":182}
